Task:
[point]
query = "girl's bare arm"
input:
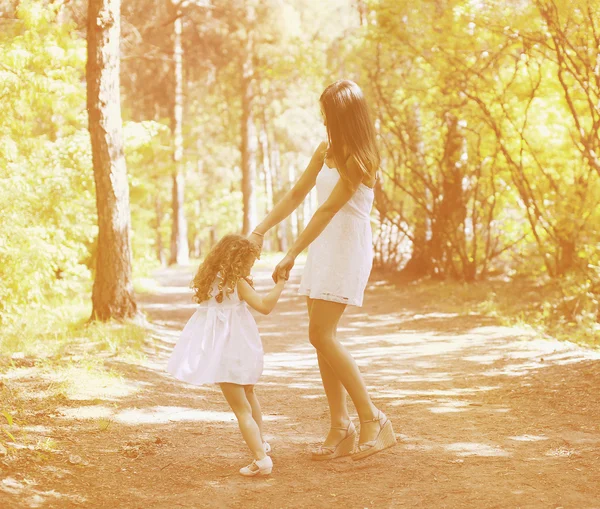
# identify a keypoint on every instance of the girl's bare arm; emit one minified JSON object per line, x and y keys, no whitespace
{"x":261,"y":304}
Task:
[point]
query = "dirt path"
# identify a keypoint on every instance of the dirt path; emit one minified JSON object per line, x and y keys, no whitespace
{"x":485,"y":416}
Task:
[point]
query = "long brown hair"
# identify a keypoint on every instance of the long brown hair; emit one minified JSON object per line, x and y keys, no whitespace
{"x":350,"y":131}
{"x":229,"y":258}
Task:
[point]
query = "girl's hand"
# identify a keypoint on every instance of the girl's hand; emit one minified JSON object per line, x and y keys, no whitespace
{"x":257,"y":239}
{"x":283,"y":268}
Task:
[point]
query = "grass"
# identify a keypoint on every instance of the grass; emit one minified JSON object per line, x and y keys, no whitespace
{"x":60,"y":328}
{"x":541,"y":306}
{"x":52,"y":356}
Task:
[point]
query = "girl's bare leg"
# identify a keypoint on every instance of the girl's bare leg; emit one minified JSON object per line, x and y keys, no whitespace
{"x":236,"y":397}
{"x":255,"y":406}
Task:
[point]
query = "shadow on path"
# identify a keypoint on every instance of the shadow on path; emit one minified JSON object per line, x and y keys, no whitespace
{"x":486,"y":416}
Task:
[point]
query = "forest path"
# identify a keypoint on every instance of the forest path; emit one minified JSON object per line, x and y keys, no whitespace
{"x":486,"y":417}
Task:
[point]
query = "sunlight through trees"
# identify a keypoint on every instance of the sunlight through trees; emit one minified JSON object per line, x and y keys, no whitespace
{"x":487,"y":116}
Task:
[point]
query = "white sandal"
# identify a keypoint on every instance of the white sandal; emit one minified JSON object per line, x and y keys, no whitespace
{"x":384,"y":439}
{"x":267,"y":447}
{"x":258,"y":467}
{"x":345,"y":447}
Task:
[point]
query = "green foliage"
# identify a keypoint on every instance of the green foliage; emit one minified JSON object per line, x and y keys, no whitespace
{"x":60,"y":327}
{"x":46,"y":198}
{"x":523,"y":94}
{"x":486,"y":169}
{"x":148,"y":154}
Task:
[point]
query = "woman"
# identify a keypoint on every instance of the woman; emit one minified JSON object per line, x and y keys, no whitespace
{"x":339,"y":261}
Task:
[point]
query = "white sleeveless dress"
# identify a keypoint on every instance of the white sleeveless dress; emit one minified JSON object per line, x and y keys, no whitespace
{"x":340,"y":259}
{"x":220,"y":343}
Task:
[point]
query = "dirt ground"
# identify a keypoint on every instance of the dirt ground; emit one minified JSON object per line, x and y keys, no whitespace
{"x":486,"y":417}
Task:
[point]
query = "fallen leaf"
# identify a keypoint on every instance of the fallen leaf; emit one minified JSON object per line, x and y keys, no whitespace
{"x":74,"y":459}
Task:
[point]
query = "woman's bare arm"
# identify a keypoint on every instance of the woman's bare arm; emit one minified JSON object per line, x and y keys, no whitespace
{"x":340,"y":195}
{"x":295,"y":196}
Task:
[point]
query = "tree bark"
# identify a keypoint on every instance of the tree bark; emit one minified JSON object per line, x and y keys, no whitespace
{"x":420,"y":262}
{"x":179,"y":241}
{"x":294,"y":220}
{"x":361,"y":8}
{"x":160,"y":255}
{"x":249,"y":145}
{"x":447,"y":236}
{"x":112,"y":293}
{"x":268,"y":171}
{"x":280,"y":229}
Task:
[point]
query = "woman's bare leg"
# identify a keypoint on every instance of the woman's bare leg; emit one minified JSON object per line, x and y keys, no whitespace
{"x":336,"y":395}
{"x":323,"y":319}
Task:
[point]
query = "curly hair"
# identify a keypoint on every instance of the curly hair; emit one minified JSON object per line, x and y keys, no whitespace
{"x":228,"y":259}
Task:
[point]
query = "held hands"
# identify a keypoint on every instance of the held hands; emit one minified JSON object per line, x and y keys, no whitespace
{"x":282,"y":271}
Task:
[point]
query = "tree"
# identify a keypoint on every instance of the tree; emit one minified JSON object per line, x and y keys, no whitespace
{"x":249,"y":140}
{"x":179,"y":240}
{"x":112,"y":294}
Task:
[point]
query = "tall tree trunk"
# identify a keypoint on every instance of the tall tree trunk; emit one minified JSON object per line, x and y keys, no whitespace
{"x":294,"y":222}
{"x":112,"y":293}
{"x":266,"y":164}
{"x":249,"y":145}
{"x":361,"y":8}
{"x":280,"y":229}
{"x":420,"y":262}
{"x":179,"y":241}
{"x":447,"y":237}
{"x":197,"y":237}
{"x":160,"y":255}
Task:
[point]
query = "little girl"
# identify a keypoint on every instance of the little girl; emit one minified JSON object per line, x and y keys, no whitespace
{"x":220,"y":343}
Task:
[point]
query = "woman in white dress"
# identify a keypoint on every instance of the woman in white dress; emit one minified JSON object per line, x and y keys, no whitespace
{"x":339,"y":262}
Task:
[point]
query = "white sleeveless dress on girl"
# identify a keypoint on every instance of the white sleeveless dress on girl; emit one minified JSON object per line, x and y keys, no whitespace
{"x":220,"y":343}
{"x":340,"y":259}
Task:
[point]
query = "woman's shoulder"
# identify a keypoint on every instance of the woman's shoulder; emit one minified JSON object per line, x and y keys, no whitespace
{"x":322,"y":148}
{"x":366,"y":170}
{"x":321,"y":153}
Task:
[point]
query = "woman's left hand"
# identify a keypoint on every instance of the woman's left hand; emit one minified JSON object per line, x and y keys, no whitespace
{"x":256,"y":239}
{"x":284,"y":267}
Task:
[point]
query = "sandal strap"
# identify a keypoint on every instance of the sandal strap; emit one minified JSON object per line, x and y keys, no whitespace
{"x":349,"y":429}
{"x":330,"y":449}
{"x":368,"y":445}
{"x":325,"y":449}
{"x":380,"y":415}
